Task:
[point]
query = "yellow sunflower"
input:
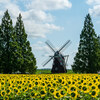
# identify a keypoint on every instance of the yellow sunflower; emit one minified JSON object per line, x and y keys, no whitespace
{"x":72,"y":88}
{"x":93,"y":87}
{"x":42,"y":92}
{"x":3,"y":93}
{"x":51,"y":90}
{"x":33,"y":94}
{"x":43,"y":84}
{"x":63,"y":92}
{"x":16,"y":91}
{"x":73,"y":94}
{"x":0,"y":86}
{"x":85,"y":89}
{"x":19,"y":86}
{"x":94,"y":93}
{"x":57,"y":94}
{"x":49,"y":85}
{"x":30,"y":86}
{"x":98,"y":86}
{"x":8,"y":91}
{"x":79,"y":87}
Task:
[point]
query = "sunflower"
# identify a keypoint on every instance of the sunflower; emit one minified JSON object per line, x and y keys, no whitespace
{"x":16,"y":91}
{"x":94,"y":93}
{"x":24,"y":82}
{"x":69,"y":82}
{"x":19,"y":86}
{"x":95,"y":80}
{"x":64,"y":82}
{"x":65,"y":88}
{"x":12,"y":81}
{"x":8,"y":83}
{"x":37,"y":83}
{"x":6,"y":97}
{"x":78,"y":83}
{"x":74,"y":82}
{"x":2,"y":83}
{"x":0,"y":86}
{"x":85,"y":89}
{"x":72,"y":88}
{"x":90,"y":83}
{"x":79,"y":87}
{"x":60,"y":80}
{"x":49,"y":84}
{"x":33,"y":94}
{"x":63,"y":92}
{"x":42,"y":92}
{"x":98,"y":87}
{"x":93,"y":87}
{"x":51,"y":90}
{"x":3,"y":93}
{"x":8,"y":91}
{"x":29,"y":86}
{"x":43,"y":84}
{"x":73,"y":94}
{"x":54,"y":84}
{"x":84,"y":82}
{"x":57,"y":94}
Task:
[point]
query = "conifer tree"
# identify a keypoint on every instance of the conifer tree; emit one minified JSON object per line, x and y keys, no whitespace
{"x":15,"y":55}
{"x":27,"y":61}
{"x":6,"y":32}
{"x":1,"y":48}
{"x":87,"y":57}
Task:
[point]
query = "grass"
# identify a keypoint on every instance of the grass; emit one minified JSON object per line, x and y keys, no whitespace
{"x":48,"y":71}
{"x":43,"y":71}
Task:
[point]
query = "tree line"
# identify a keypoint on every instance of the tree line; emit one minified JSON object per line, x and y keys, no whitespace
{"x":87,"y":59}
{"x":15,"y":50}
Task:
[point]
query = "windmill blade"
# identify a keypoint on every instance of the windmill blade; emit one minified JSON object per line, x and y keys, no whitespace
{"x":64,"y":46}
{"x":51,"y":46}
{"x":66,"y":59}
{"x":47,"y":61}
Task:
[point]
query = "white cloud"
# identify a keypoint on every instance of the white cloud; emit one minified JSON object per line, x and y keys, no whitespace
{"x":95,"y":10}
{"x":49,"y":4}
{"x":12,"y":8}
{"x":38,"y":29}
{"x":42,"y":47}
{"x":37,"y":19}
{"x":37,"y":15}
{"x":93,"y":2}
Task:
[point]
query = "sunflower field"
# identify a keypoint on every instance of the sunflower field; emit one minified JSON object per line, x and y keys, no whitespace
{"x":50,"y":87}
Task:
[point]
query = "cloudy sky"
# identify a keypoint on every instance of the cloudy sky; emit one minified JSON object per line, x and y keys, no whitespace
{"x":54,"y":20}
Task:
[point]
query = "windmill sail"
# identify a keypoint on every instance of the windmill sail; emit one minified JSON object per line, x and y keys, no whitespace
{"x":51,"y":46}
{"x":64,"y":46}
{"x":47,"y":61}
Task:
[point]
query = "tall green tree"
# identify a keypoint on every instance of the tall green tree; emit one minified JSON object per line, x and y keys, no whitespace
{"x":87,"y":57}
{"x":6,"y":32}
{"x":27,"y":61}
{"x":1,"y":48}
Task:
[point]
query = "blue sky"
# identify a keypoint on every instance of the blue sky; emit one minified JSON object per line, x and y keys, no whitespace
{"x":54,"y":20}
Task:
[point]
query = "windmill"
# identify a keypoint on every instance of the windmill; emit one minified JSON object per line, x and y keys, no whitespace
{"x":59,"y":60}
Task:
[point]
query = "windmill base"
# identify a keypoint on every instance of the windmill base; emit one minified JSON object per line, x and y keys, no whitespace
{"x":58,"y":69}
